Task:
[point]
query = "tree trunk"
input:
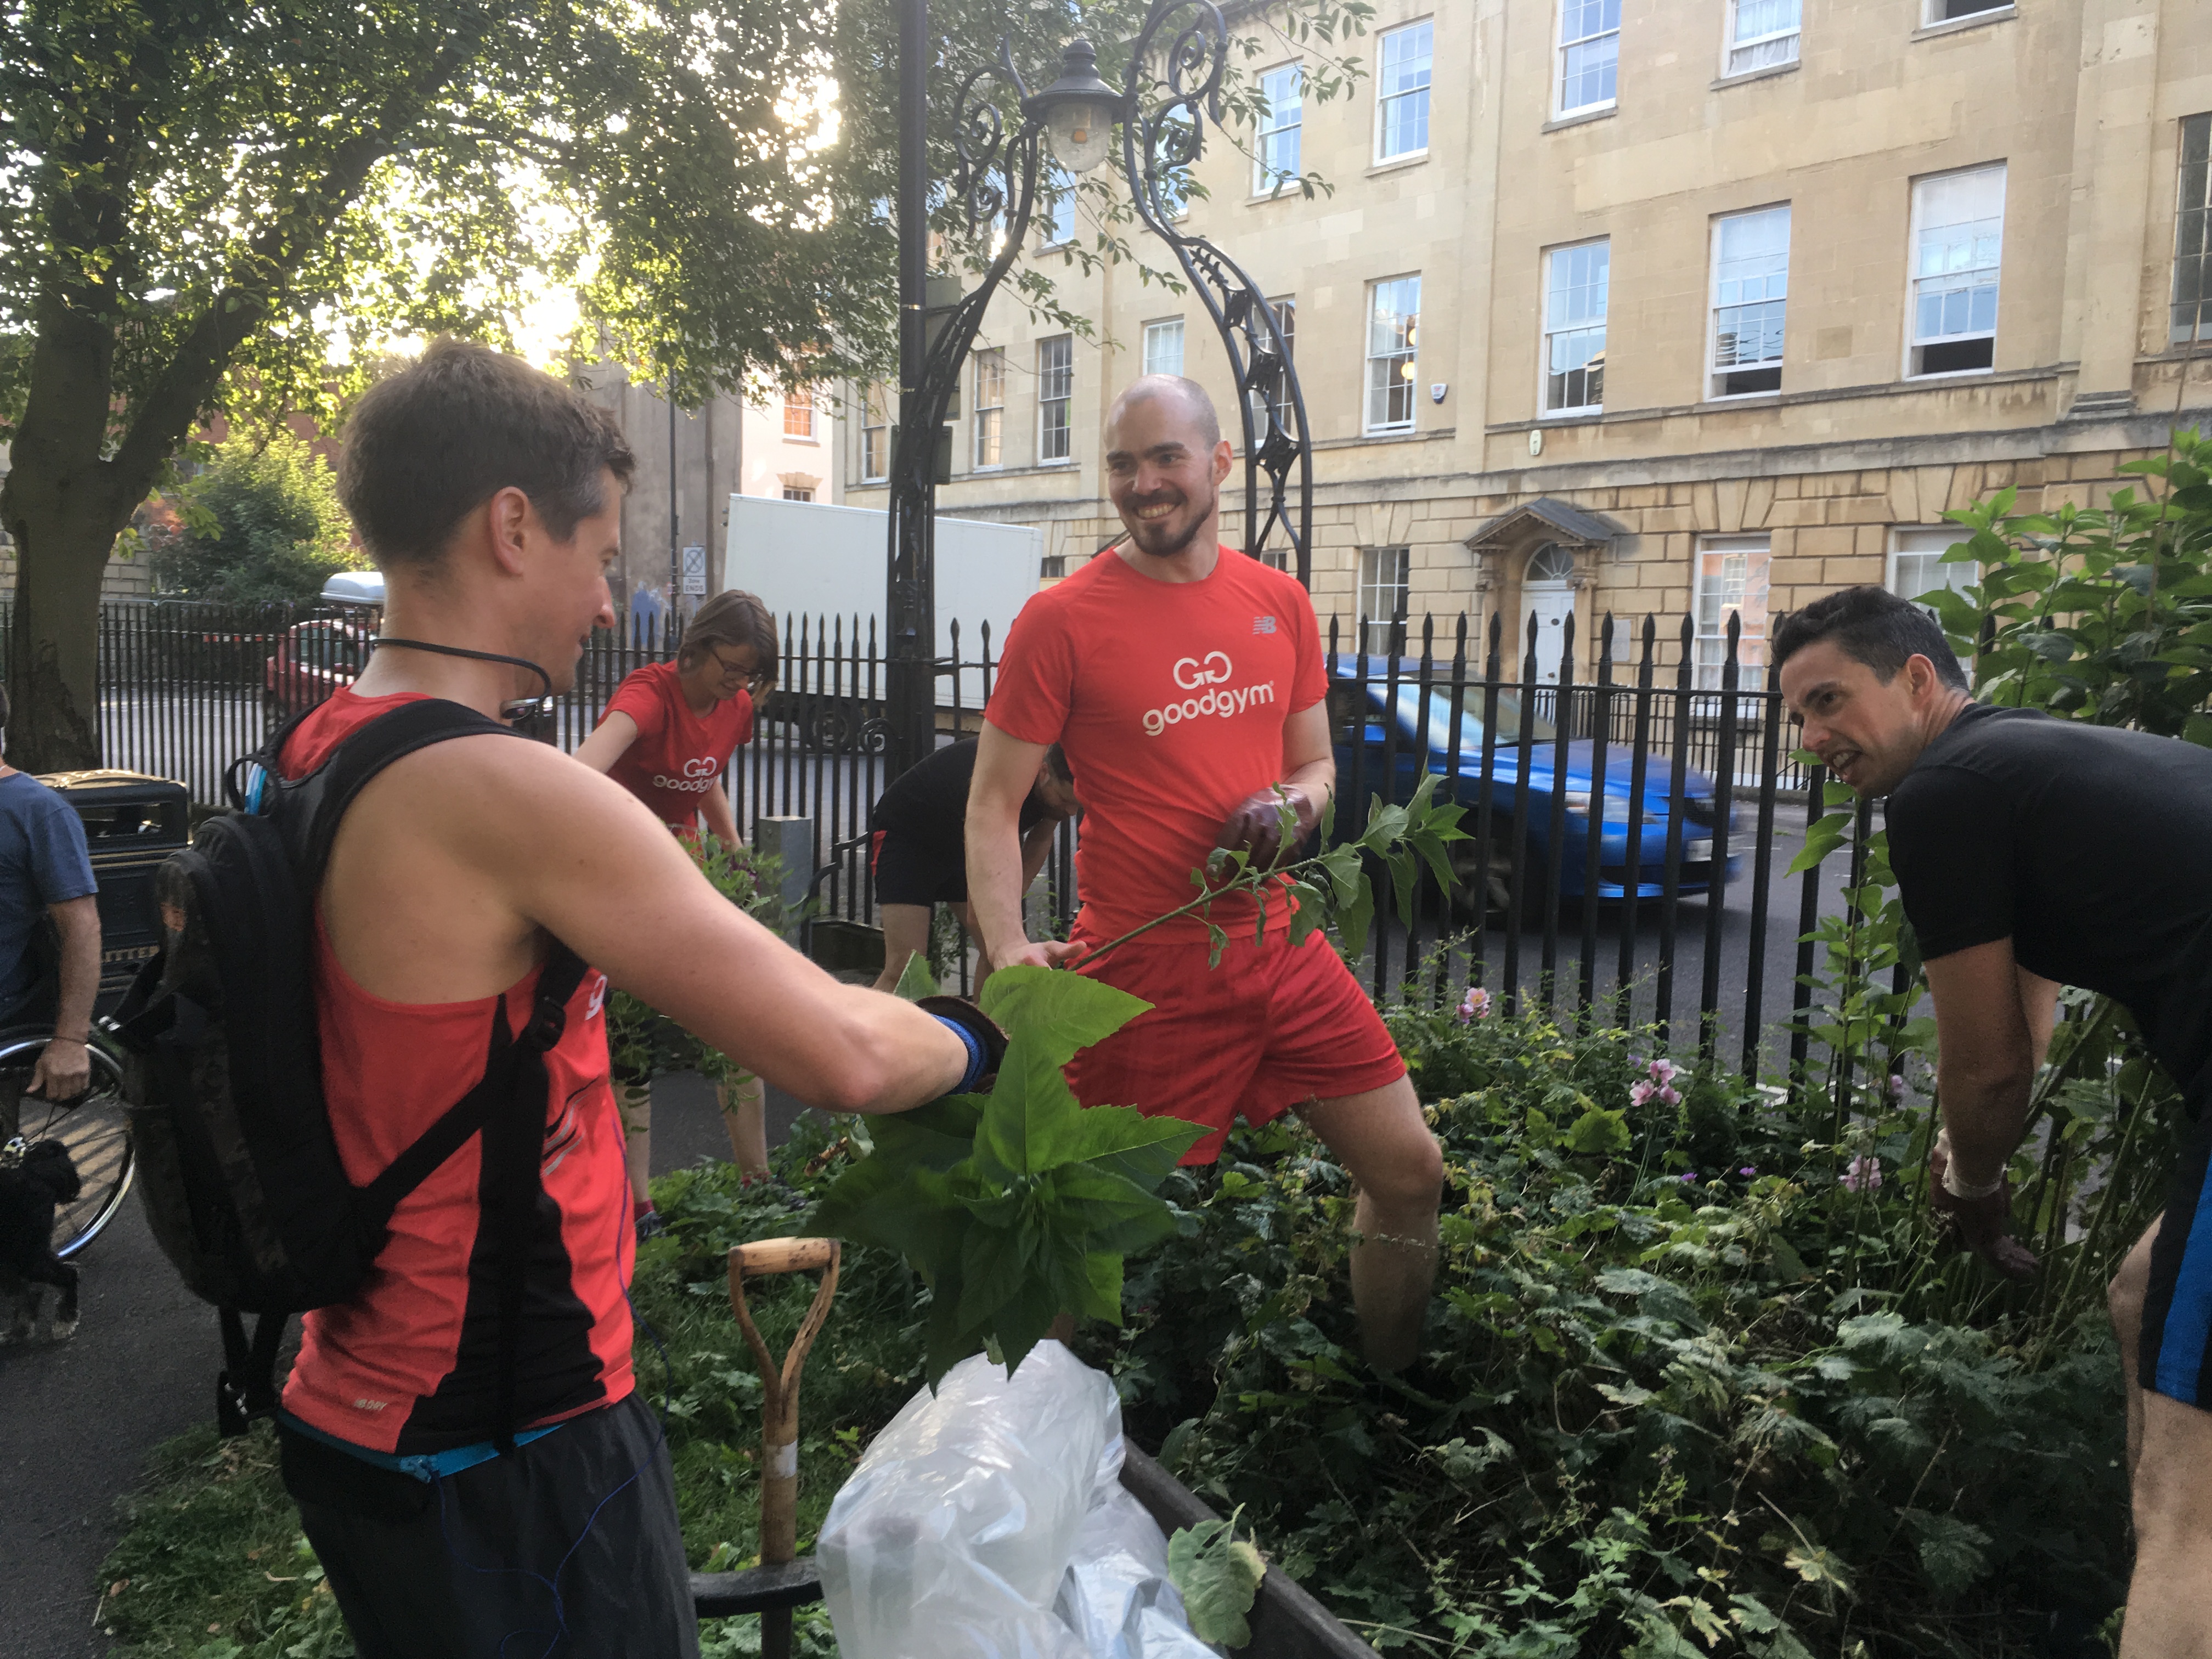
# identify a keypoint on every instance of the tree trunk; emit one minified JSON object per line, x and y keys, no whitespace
{"x":53,"y":646}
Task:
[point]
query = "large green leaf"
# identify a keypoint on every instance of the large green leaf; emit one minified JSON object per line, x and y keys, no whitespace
{"x":1032,"y":1121}
{"x":1218,"y":1575}
{"x":1058,"y":1012}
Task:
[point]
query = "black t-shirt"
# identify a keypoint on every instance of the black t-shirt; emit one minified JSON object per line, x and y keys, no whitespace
{"x":926,"y":806}
{"x":2090,"y":847}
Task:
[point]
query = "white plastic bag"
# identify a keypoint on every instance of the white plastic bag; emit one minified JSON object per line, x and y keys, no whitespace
{"x":989,"y":1522}
{"x":951,"y":1538}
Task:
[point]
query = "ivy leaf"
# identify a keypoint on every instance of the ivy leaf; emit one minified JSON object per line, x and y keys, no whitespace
{"x":1217,"y":1576}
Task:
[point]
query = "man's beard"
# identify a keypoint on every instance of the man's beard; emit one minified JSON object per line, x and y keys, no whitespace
{"x":1168,"y":551}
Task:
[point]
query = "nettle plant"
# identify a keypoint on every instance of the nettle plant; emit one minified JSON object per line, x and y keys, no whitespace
{"x":1017,"y":1205}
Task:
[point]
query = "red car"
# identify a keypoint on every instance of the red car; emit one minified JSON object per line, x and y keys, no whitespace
{"x":312,"y":660}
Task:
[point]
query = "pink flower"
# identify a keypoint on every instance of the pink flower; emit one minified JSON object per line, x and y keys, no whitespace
{"x":1670,"y":1097}
{"x":1641,"y":1093}
{"x":1688,"y":1179}
{"x":1864,"y":1174}
{"x":1662,"y":1071}
{"x":1474,"y":1006}
{"x":1897,"y":1085}
{"x":1747,"y":1169}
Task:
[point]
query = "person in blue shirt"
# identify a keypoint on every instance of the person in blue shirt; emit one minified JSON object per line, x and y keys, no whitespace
{"x":44,"y":867}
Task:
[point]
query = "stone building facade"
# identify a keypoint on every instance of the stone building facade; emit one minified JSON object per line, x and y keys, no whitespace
{"x":1709,"y":305}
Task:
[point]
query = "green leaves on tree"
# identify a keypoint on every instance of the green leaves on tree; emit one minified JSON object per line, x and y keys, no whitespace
{"x":1017,"y":1205}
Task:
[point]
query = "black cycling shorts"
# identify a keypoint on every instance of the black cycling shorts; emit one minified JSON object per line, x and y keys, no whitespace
{"x":907,"y":873}
{"x":467,"y":1567}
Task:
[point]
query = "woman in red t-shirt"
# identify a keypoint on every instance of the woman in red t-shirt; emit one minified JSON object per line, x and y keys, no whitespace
{"x":668,"y":734}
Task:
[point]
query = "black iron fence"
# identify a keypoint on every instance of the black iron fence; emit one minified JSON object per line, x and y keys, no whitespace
{"x":1628,"y":825}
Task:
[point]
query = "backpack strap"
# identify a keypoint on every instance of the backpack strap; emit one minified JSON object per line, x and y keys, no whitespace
{"x":246,"y":1387}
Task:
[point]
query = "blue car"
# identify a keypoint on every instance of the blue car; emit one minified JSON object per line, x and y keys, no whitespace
{"x":1424,"y":742}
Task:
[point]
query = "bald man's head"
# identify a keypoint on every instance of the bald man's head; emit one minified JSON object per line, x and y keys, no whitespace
{"x":1164,"y":464}
{"x":1186,"y":398}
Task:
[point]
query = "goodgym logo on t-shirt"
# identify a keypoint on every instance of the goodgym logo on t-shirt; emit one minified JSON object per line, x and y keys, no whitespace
{"x":1207,"y":679}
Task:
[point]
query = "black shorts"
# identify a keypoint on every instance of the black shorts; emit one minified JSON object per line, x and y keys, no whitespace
{"x":453,"y":1569}
{"x":907,"y":873}
{"x":2176,"y":1357}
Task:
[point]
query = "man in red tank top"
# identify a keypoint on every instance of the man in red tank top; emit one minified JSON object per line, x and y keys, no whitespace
{"x":1185,"y":682}
{"x":490,"y":495}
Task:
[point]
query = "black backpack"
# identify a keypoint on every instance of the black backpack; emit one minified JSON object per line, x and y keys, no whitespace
{"x":240,"y":1172}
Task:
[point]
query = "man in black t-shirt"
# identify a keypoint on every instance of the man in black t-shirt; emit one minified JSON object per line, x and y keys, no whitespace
{"x":919,"y":851}
{"x":2033,"y":852}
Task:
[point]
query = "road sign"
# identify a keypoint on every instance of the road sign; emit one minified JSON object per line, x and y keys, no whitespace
{"x":695,"y":570}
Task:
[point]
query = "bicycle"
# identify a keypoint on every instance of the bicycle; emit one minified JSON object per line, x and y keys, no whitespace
{"x":95,"y":1126}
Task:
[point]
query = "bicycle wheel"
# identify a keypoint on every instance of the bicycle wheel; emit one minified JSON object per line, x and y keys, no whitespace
{"x":94,"y":1126}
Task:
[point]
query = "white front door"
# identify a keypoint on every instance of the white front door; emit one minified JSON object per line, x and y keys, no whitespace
{"x":1548,"y":604}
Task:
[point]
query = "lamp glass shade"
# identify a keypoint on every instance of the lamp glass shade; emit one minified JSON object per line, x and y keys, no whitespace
{"x":1081,"y":132}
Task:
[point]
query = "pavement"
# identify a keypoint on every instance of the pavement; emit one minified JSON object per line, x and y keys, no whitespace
{"x":78,"y":1419}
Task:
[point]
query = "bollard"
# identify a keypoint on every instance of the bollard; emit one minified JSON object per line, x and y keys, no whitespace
{"x":791,"y":840}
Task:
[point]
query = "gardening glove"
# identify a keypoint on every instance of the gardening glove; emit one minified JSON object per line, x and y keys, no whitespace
{"x":1982,"y":1225}
{"x":1256,"y":826}
{"x":985,"y":1042}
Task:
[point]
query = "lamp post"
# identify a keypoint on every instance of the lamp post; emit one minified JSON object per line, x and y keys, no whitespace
{"x":1163,"y":132}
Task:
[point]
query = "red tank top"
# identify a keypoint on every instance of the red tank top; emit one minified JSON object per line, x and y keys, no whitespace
{"x":409,"y":1364}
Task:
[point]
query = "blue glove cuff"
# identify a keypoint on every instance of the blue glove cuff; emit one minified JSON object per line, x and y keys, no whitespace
{"x":976,"y":1058}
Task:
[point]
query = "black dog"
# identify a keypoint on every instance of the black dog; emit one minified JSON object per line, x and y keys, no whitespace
{"x":28,"y":1194}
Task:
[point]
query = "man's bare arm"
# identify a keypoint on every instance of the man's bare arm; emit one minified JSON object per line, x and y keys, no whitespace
{"x":1987,"y":1063}
{"x":502,"y":839}
{"x":1005,"y":772}
{"x":2039,"y":1002}
{"x":64,"y":1069}
{"x":721,"y":821}
{"x":1036,"y":847}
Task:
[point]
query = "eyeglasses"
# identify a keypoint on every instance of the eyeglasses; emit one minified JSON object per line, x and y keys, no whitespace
{"x":744,"y":672}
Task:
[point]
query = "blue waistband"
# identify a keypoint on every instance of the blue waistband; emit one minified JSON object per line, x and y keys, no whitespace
{"x":425,"y":1467}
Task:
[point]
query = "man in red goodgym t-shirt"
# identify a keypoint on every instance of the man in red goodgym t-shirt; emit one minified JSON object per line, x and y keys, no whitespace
{"x":1184,"y":681}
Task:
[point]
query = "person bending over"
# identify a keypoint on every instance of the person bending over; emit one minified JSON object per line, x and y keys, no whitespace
{"x":918,"y":851}
{"x":1185,"y":682}
{"x":489,"y":496}
{"x":2030,"y":852}
{"x":667,"y":735}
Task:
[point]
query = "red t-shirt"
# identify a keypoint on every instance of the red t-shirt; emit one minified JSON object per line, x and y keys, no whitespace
{"x":1170,"y":699}
{"x":409,"y":1363}
{"x":677,"y":755}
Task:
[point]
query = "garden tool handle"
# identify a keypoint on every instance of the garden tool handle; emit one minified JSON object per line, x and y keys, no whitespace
{"x":762,"y":1259}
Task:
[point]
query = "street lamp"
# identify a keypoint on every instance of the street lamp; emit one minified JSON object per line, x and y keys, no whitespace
{"x":1162,"y":122}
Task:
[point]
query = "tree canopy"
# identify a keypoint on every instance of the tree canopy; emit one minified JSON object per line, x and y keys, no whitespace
{"x":208,"y":206}
{"x":262,"y":523}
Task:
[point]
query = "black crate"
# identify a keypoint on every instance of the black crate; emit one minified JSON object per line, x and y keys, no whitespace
{"x":132,"y":823}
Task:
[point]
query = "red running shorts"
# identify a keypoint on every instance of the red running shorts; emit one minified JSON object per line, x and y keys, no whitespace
{"x":1270,"y":1028}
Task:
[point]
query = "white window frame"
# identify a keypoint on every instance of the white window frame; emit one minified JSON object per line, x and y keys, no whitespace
{"x":1719,"y":301}
{"x":990,"y":377}
{"x":1268,"y":174}
{"x":1057,"y":186}
{"x":1776,"y":49}
{"x":1163,"y":339}
{"x":2193,"y":203}
{"x":1709,"y":648}
{"x":797,"y":492}
{"x":1934,"y":541}
{"x":875,"y":418}
{"x":1931,"y":12}
{"x":794,"y":402}
{"x":1914,"y":341}
{"x":1547,"y":332}
{"x":1406,"y":356}
{"x":1382,"y":570}
{"x":1560,"y":107}
{"x":1406,"y":97}
{"x":1056,"y":392}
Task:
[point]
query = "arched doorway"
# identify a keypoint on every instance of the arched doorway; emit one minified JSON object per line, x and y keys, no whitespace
{"x":1547,"y":599}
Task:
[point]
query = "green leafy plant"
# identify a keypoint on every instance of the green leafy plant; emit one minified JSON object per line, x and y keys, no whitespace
{"x":262,"y":523}
{"x":1218,"y":1575}
{"x":1017,"y":1205}
{"x":645,"y":1042}
{"x":1330,"y":888}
